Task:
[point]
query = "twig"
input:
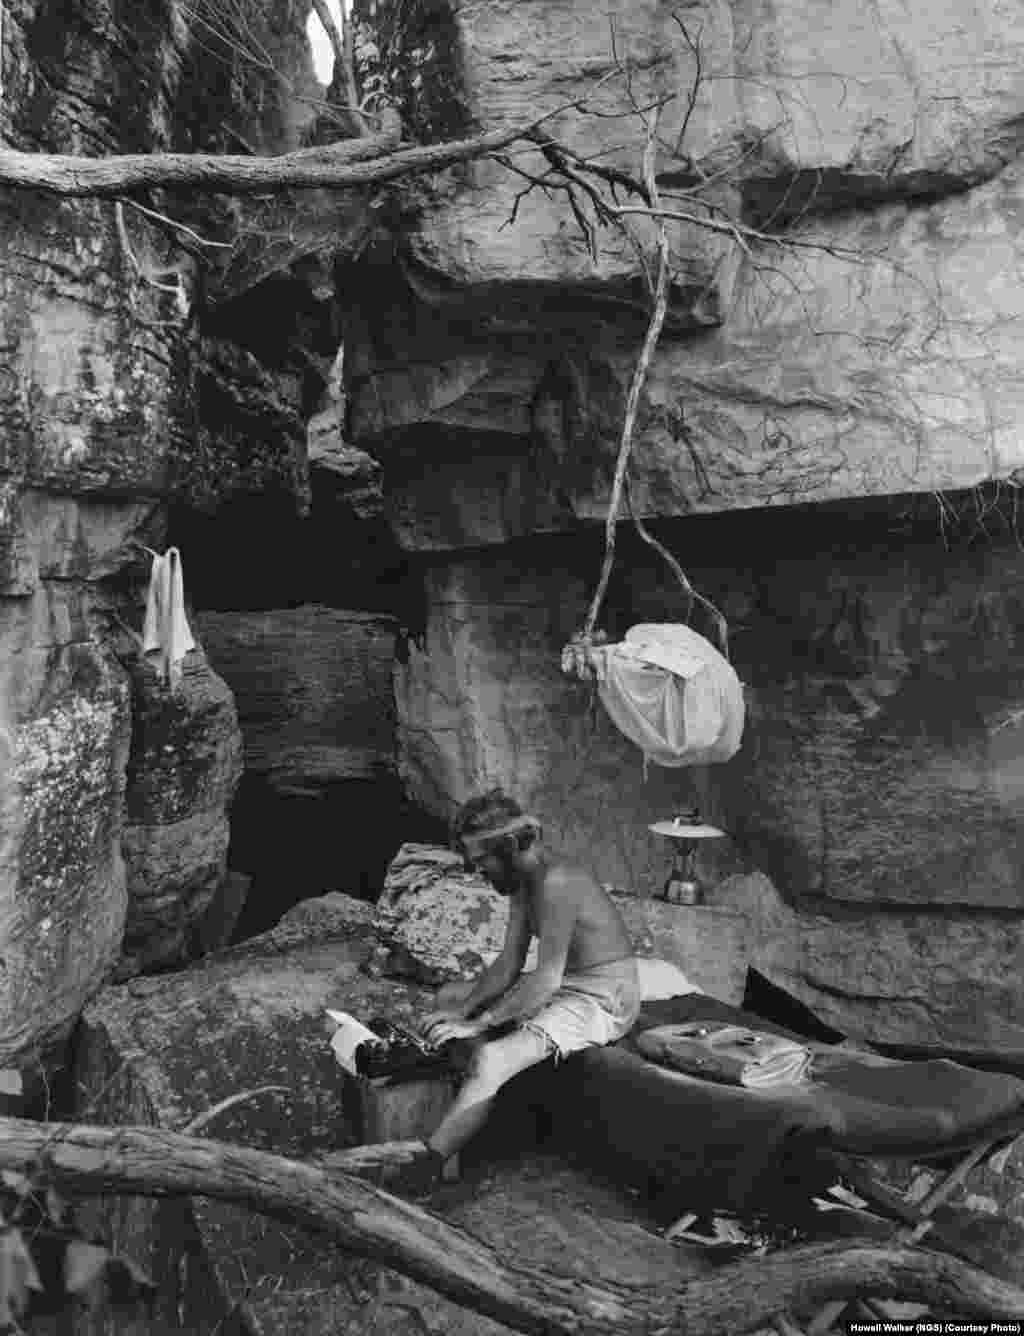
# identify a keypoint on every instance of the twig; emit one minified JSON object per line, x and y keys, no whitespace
{"x":698,"y":79}
{"x":133,"y":259}
{"x":208,"y":1115}
{"x":740,"y":232}
{"x":718,"y":621}
{"x":173,"y":222}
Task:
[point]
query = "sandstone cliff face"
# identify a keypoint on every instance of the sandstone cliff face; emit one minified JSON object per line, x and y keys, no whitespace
{"x":882,"y":356}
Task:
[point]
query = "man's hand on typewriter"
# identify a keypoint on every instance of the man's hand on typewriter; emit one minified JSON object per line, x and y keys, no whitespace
{"x":441,"y":1026}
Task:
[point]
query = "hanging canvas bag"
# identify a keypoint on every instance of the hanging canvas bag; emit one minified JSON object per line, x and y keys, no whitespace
{"x":670,"y":691}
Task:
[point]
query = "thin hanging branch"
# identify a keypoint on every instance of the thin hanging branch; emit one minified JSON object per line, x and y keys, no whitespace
{"x":654,"y":327}
{"x":718,"y":621}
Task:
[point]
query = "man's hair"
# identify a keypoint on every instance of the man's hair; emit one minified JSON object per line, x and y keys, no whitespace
{"x":493,"y":811}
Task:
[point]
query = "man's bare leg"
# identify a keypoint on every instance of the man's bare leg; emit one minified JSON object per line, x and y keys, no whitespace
{"x":494,"y":1064}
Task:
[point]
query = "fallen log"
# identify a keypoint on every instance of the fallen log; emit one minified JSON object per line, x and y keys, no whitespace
{"x":374,"y":1224}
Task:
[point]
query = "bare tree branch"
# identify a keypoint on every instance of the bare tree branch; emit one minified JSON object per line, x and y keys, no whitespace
{"x":352,"y":163}
{"x":639,"y":376}
{"x":349,"y":163}
{"x":718,"y":621}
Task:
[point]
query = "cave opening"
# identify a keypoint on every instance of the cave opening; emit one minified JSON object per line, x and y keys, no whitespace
{"x":296,"y":847}
{"x":275,"y":588}
{"x":300,"y":596}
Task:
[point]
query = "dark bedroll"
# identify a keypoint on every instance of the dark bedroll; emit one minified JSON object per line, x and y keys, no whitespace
{"x":700,"y":1147}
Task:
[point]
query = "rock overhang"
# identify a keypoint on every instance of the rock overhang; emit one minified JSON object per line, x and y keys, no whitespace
{"x":876,"y":356}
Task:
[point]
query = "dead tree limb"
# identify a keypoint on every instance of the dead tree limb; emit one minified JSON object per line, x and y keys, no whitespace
{"x":351,"y":163}
{"x":740,"y":1298}
{"x":650,"y":343}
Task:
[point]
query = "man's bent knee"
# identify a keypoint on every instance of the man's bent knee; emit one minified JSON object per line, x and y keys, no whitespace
{"x":496,"y":1062}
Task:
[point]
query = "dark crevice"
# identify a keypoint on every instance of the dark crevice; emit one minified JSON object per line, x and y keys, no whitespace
{"x":296,"y":848}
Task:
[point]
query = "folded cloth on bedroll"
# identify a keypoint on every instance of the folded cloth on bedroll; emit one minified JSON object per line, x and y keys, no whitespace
{"x":736,"y":1054}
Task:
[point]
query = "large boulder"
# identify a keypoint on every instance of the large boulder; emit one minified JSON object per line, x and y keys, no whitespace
{"x":436,"y":920}
{"x":910,"y":978}
{"x":161,"y":1051}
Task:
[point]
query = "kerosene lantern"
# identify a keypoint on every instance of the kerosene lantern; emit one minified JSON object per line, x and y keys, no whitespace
{"x":684,"y":834}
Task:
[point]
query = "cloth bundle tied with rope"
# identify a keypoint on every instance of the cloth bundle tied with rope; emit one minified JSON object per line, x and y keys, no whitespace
{"x":668,"y":690}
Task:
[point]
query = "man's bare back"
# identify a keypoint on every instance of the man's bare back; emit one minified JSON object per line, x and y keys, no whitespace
{"x":598,"y":934}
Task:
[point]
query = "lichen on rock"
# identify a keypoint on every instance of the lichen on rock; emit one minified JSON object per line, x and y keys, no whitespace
{"x":62,"y":880}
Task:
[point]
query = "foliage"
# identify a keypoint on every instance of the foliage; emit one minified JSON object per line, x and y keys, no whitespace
{"x":44,"y":1262}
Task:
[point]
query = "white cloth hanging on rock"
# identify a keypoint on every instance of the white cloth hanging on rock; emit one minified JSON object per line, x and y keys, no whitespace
{"x":672,"y":693}
{"x":166,"y":637}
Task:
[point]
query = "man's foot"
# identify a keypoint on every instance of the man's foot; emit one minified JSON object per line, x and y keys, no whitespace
{"x":399,"y":1166}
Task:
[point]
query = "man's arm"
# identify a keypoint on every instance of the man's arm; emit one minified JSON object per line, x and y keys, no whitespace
{"x":557,"y":908}
{"x":499,"y":975}
{"x":505,"y":968}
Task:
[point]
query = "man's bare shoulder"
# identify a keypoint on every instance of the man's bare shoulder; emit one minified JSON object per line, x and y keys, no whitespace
{"x":562,"y":879}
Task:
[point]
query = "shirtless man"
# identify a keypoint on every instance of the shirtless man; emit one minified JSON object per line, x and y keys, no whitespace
{"x":583,"y":992}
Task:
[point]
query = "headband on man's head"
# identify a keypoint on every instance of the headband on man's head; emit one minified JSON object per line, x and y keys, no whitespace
{"x":479,"y":841}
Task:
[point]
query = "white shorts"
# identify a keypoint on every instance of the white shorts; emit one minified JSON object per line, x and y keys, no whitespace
{"x":589,"y":1008}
